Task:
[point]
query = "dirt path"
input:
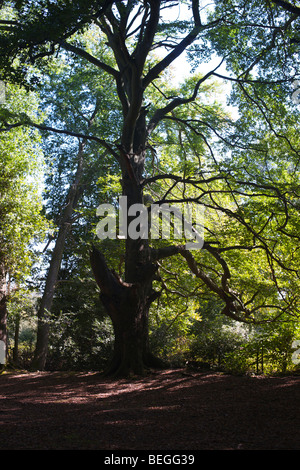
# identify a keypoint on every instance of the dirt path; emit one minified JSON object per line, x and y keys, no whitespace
{"x":169,"y":410}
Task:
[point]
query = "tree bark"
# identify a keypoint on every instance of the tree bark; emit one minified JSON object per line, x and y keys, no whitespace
{"x":127,"y":304}
{"x":3,"y":310}
{"x":75,"y":191}
{"x":41,"y":349}
{"x":16,"y":340}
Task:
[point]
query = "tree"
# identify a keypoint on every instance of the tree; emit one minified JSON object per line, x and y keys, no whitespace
{"x":256,"y":42}
{"x":77,"y":94}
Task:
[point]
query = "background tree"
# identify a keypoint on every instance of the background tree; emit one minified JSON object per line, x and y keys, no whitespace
{"x":78,"y":98}
{"x":256,"y":42}
{"x":22,"y":224}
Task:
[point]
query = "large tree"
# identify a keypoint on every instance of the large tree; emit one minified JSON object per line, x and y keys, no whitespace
{"x":74,"y":96}
{"x":257,"y":42}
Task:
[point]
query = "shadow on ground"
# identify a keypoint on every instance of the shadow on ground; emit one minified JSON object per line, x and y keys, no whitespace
{"x":169,"y":410}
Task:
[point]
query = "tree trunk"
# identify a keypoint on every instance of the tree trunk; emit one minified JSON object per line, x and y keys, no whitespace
{"x":3,"y":316}
{"x":128,"y":307}
{"x":16,"y":340}
{"x":127,"y":302}
{"x":41,"y":349}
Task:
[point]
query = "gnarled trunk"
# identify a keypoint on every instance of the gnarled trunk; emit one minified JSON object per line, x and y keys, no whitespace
{"x":127,"y":301}
{"x":127,"y":304}
{"x":129,"y":314}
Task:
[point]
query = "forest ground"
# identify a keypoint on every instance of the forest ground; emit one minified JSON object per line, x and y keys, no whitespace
{"x":167,"y":410}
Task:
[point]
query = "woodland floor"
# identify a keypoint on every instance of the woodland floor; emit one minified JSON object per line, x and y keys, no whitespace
{"x":167,"y":410}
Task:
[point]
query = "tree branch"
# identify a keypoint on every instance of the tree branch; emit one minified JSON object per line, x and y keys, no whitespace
{"x":93,"y":60}
{"x":61,"y":131}
{"x":165,"y":252}
{"x":105,"y":278}
{"x":287,"y":6}
{"x":147,"y":33}
{"x":160,"y":113}
{"x":180,"y":179}
{"x":187,"y":41}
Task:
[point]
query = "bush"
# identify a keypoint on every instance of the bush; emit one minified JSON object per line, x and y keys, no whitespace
{"x":236,"y":362}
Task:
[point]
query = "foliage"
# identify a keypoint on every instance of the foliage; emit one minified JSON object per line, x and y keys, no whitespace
{"x":22,"y":222}
{"x":242,"y":168}
{"x":244,"y":349}
{"x":21,"y":306}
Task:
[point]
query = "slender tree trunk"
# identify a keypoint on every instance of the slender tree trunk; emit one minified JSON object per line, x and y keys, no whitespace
{"x":3,"y":312}
{"x":16,"y":340}
{"x":44,"y":311}
{"x":41,"y":349}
